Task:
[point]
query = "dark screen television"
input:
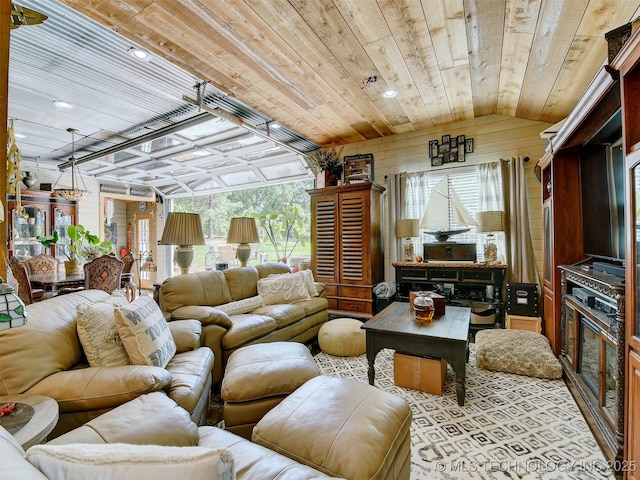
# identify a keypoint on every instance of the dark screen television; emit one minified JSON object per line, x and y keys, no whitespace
{"x":602,"y":189}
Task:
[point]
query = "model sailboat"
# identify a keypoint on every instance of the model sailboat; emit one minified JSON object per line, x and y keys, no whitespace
{"x":445,"y":214}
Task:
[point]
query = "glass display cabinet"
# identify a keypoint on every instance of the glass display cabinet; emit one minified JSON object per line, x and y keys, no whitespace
{"x":40,"y":213}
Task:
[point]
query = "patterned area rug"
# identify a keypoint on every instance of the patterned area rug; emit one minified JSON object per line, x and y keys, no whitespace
{"x":510,"y":427}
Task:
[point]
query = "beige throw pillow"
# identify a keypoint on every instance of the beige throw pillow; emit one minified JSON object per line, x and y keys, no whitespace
{"x":145,"y":333}
{"x":99,"y":336}
{"x":286,"y":288}
{"x":246,"y":305}
{"x":96,"y":325}
{"x":119,"y":461}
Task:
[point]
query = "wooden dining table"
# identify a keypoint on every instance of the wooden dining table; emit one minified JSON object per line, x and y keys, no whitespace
{"x":52,"y":282}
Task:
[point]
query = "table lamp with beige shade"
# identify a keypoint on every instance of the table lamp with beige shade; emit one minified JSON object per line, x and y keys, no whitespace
{"x":407,"y":229}
{"x":243,"y":230}
{"x":185,"y":230}
{"x":490,"y":222}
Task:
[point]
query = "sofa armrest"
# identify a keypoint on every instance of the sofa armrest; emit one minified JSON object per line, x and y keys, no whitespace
{"x":186,"y":334}
{"x":95,"y":388}
{"x":149,"y":419}
{"x":321,"y":288}
{"x":206,"y":315}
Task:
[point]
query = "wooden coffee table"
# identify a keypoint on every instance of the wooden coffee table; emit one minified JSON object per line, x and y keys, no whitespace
{"x":447,"y":336}
{"x":41,"y":422}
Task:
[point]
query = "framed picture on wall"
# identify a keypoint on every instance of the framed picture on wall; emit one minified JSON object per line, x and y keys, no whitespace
{"x":451,"y":157}
{"x":468,"y":145}
{"x":358,"y":168}
{"x":433,"y":148}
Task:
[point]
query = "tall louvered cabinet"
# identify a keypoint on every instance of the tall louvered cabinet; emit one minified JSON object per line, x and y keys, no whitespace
{"x":346,"y":245}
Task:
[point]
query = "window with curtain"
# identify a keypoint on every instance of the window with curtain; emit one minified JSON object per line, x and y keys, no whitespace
{"x":466,"y":183}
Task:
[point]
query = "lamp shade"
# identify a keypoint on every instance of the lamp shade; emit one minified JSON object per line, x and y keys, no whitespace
{"x":182,"y":229}
{"x":490,"y":221}
{"x":12,"y":311}
{"x":407,"y":227}
{"x":243,"y":230}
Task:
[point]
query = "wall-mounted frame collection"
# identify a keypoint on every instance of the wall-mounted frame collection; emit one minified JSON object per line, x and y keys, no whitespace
{"x":450,"y":149}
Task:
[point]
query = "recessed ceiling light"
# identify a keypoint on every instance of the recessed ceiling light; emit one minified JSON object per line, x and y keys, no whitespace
{"x":275,"y":125}
{"x":139,"y":53}
{"x":389,"y":94}
{"x":19,"y":135}
{"x":62,"y":104}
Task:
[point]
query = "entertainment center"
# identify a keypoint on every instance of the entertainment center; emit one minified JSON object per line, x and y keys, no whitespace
{"x":589,"y":251}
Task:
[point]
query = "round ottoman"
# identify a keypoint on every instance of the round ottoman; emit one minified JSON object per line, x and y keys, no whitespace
{"x":342,"y":337}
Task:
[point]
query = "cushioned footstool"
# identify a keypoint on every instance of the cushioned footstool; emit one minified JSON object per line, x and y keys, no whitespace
{"x":516,"y":351}
{"x":257,"y":378}
{"x":342,"y":337}
{"x":342,"y":427}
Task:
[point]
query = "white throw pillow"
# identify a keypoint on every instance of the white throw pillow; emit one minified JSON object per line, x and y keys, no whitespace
{"x":310,"y":281}
{"x":245,"y":305}
{"x":286,"y":288}
{"x":96,"y":325}
{"x":145,"y":333}
{"x":119,"y":461}
{"x":307,"y":275}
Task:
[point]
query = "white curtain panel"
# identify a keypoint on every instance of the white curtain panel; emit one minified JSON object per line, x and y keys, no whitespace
{"x":492,"y":198}
{"x":521,"y":257}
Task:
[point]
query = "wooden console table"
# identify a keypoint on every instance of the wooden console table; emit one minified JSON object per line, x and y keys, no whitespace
{"x":481,"y":282}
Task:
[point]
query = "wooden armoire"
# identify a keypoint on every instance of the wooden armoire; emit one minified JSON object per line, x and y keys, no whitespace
{"x":346,"y":245}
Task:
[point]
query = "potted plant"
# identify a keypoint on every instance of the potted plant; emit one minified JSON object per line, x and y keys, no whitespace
{"x":82,"y":246}
{"x":326,"y":164}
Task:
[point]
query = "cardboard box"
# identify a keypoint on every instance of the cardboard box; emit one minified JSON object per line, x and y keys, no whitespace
{"x":426,"y":374}
{"x":519,"y":322}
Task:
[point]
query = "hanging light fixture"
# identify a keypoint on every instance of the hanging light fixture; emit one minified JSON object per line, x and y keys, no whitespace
{"x":75,"y":192}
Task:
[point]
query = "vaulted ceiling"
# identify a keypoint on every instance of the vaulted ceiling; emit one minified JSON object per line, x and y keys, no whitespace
{"x":319,"y":67}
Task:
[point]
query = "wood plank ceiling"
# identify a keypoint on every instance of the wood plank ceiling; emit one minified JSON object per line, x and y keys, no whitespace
{"x":305,"y":63}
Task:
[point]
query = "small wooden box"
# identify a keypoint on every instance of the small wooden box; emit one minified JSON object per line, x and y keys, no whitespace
{"x":518,"y":322}
{"x":419,"y":373}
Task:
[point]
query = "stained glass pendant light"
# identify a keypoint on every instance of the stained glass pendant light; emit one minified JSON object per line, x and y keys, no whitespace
{"x":75,"y":192}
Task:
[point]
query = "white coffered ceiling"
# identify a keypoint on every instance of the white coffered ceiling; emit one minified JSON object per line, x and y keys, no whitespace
{"x":122,"y":106}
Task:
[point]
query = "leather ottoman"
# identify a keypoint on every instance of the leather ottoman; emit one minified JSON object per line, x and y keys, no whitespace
{"x":343,"y":428}
{"x":257,"y":378}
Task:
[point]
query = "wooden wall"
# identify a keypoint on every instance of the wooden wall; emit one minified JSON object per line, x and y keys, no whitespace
{"x":495,"y":137}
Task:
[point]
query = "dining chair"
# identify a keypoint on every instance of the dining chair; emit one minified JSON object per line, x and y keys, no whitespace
{"x":42,"y":264}
{"x":28,"y":294}
{"x":103,"y":273}
{"x":126,"y":281}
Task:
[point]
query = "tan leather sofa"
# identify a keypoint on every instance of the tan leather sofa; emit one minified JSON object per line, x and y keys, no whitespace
{"x":375,"y":445}
{"x":45,"y":357}
{"x":196,"y":296}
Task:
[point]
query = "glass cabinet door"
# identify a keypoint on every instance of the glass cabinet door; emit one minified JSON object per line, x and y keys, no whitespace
{"x":636,"y":224}
{"x":610,"y":377}
{"x":569,"y":327}
{"x":61,"y":220}
{"x":29,"y":222}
